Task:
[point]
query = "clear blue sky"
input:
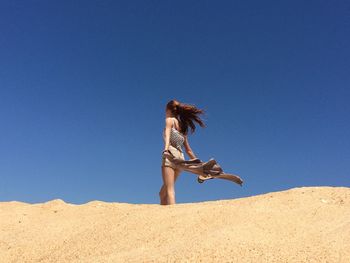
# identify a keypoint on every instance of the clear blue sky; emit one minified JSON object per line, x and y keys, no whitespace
{"x":83,"y":86}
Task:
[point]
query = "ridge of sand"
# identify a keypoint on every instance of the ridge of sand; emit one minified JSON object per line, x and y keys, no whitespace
{"x":303,"y":224}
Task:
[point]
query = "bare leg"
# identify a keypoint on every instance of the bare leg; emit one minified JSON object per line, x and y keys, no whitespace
{"x":162,"y":195}
{"x":167,"y":191}
{"x":177,"y":173}
{"x":169,"y":180}
{"x":163,"y":190}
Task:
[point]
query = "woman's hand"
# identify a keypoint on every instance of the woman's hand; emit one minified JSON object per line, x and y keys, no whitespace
{"x":167,"y":152}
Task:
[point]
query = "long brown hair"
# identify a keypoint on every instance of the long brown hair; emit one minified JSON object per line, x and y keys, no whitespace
{"x":186,"y":114}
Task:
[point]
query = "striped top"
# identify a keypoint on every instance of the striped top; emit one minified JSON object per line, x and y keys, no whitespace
{"x":176,"y":138}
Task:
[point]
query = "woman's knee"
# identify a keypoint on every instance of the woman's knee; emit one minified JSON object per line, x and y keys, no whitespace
{"x":162,"y":192}
{"x":170,"y":191}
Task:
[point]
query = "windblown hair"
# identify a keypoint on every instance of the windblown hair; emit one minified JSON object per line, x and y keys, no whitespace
{"x":186,"y":114}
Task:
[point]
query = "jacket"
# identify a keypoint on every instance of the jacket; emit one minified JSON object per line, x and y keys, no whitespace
{"x":204,"y":170}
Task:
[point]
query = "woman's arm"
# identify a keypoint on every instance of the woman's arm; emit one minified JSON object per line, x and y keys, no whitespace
{"x":168,"y":124}
{"x":188,"y":148}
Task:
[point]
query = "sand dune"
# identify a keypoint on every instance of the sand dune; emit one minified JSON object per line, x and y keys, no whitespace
{"x":306,"y":224}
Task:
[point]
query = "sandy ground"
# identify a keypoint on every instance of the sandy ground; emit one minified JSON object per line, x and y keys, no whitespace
{"x":306,"y":224}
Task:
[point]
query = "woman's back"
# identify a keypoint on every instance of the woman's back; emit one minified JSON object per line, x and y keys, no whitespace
{"x":176,"y":137}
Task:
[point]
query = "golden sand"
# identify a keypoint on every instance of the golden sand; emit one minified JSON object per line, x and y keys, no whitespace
{"x":305,"y":224}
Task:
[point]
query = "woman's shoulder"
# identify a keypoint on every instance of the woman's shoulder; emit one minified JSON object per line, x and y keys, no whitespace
{"x":169,"y":121}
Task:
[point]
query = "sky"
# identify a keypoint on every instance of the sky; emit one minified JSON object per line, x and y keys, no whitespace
{"x":84,"y":84}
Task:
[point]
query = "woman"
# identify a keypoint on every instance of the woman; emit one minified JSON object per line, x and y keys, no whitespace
{"x":178,"y":118}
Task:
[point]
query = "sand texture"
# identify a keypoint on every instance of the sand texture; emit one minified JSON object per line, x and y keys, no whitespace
{"x":304,"y":224}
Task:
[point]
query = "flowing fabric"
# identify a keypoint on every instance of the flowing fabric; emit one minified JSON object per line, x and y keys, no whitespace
{"x":204,"y":170}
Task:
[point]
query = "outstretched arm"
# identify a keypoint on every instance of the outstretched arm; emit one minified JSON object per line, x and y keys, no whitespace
{"x":188,"y":148}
